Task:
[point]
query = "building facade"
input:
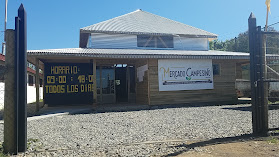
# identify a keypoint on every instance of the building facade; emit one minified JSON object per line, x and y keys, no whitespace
{"x":139,"y":58}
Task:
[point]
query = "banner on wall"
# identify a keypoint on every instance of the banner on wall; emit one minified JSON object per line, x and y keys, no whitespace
{"x":185,"y":74}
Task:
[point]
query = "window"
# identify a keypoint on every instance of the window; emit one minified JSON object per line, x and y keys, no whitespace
{"x":41,"y":83}
{"x":153,"y":41}
{"x":107,"y":80}
{"x":132,"y":79}
{"x":216,"y":69}
{"x":2,"y":71}
{"x":98,"y":70}
{"x":30,"y":80}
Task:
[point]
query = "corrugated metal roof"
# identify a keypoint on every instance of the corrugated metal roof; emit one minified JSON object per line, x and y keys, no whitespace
{"x":141,"y":53}
{"x":142,"y":22}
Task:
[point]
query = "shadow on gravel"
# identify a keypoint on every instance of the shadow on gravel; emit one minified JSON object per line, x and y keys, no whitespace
{"x":244,"y":108}
{"x":273,"y":107}
{"x":186,"y":147}
{"x":128,"y":108}
{"x":249,"y":108}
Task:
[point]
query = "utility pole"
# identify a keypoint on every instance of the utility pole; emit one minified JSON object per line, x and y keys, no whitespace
{"x":15,"y":116}
{"x":6,"y":14}
{"x":235,"y":44}
{"x":264,"y":74}
{"x":5,"y":28}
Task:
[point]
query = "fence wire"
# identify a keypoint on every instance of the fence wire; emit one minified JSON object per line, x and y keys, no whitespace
{"x":2,"y":91}
{"x":272,"y":47}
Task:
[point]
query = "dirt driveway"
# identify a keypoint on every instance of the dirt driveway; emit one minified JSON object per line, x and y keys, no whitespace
{"x":264,"y":147}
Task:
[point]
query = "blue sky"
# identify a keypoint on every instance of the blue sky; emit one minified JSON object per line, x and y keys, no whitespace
{"x":56,"y":23}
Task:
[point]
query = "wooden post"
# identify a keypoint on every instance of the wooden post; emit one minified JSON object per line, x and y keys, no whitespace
{"x":128,"y":82}
{"x":264,"y":102}
{"x":43,"y":81}
{"x":265,"y":84}
{"x":37,"y":84}
{"x":94,"y":82}
{"x":114,"y":86}
{"x":101,"y":85}
{"x":10,"y":107}
{"x":148,"y":81}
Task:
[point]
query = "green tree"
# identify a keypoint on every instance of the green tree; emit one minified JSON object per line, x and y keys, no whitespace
{"x":241,"y":43}
{"x":238,"y":44}
{"x":272,"y":42}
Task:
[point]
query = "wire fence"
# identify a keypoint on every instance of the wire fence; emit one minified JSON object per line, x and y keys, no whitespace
{"x":272,"y":47}
{"x":2,"y":92}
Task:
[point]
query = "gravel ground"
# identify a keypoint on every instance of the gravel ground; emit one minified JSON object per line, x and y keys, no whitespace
{"x":134,"y":133}
{"x":273,"y":116}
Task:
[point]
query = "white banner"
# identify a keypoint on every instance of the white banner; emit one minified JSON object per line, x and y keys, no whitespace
{"x":140,"y":72}
{"x":185,"y":74}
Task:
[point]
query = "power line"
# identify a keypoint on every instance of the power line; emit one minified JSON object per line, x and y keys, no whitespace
{"x":273,"y":24}
{"x":270,"y":25}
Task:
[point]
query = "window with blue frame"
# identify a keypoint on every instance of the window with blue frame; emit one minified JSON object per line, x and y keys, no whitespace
{"x":153,"y":41}
{"x":216,"y":69}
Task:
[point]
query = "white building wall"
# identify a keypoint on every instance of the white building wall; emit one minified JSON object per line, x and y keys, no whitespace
{"x":127,"y":41}
{"x":31,"y":94}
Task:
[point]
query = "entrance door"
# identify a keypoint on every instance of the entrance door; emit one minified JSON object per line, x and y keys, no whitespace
{"x":121,"y":84}
{"x":105,"y":85}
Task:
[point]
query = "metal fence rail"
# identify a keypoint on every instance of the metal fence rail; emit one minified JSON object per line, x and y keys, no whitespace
{"x":272,"y":77}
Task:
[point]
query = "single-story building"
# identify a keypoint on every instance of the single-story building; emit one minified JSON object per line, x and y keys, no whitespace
{"x":30,"y":72}
{"x":31,"y":90}
{"x":139,"y":58}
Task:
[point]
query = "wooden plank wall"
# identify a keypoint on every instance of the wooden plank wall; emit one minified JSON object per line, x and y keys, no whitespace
{"x":142,"y":87}
{"x":238,"y":71}
{"x":223,"y":92}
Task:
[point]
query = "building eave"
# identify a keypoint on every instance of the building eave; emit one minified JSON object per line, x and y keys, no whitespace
{"x":139,"y":54}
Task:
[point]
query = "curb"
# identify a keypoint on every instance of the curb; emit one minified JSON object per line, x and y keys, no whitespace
{"x":53,"y":114}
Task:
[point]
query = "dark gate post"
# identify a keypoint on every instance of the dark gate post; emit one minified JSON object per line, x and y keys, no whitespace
{"x":257,"y":76}
{"x":253,"y":74}
{"x":21,"y":89}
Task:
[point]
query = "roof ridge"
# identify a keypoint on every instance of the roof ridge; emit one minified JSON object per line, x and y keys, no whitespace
{"x":180,"y":26}
{"x":179,"y":22}
{"x":114,"y":18}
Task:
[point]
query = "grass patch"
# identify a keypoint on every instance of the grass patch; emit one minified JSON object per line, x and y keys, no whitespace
{"x":273,"y":140}
{"x":276,"y":102}
{"x":30,"y":141}
{"x":2,"y":154}
{"x":33,"y":144}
